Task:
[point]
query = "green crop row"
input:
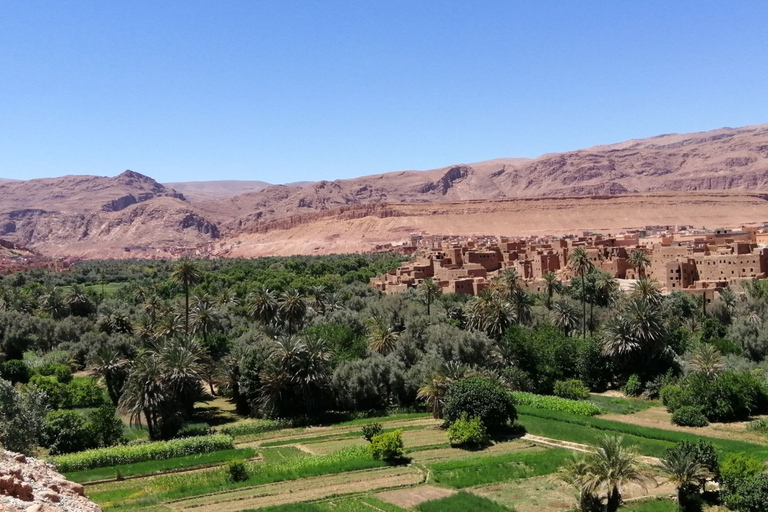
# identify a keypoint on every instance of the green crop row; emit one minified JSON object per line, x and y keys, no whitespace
{"x":129,"y":454}
{"x":555,"y":403}
{"x":254,"y":427}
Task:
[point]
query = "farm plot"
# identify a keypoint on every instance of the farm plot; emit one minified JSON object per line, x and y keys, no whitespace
{"x":441,"y":454}
{"x":307,"y":489}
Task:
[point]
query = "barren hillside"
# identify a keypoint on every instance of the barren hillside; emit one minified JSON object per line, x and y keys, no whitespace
{"x":711,"y":178}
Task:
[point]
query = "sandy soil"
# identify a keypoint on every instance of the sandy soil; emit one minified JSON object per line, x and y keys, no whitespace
{"x":414,"y":496}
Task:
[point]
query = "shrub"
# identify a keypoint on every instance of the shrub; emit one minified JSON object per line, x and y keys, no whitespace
{"x":689,"y":416}
{"x":84,"y":393}
{"x":572,"y":389}
{"x":554,"y":403}
{"x":633,"y":387}
{"x":702,"y":452}
{"x":481,"y":398}
{"x":468,"y":431}
{"x":747,"y":495}
{"x":388,"y":446}
{"x":672,"y":397}
{"x":55,"y":391}
{"x":15,"y":371}
{"x":760,"y":426}
{"x":62,"y":372}
{"x":105,"y":427}
{"x":194,"y":430}
{"x":128,"y":454}
{"x":237,"y":471}
{"x":370,"y":430}
{"x":739,"y":466}
{"x":66,"y":432}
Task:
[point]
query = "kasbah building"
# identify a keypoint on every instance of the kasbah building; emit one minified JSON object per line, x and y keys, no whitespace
{"x":699,"y":262}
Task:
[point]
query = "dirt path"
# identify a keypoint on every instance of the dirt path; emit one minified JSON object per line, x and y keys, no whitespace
{"x":557,"y":443}
{"x":306,"y":489}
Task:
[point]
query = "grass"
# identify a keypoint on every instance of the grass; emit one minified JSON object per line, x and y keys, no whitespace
{"x":462,"y":502}
{"x":133,"y":494}
{"x":330,"y":437}
{"x":382,"y":419}
{"x":616,"y":405}
{"x":650,"y":506}
{"x":354,"y":504}
{"x":277,"y":455}
{"x":649,"y":440}
{"x":159,"y":466}
{"x":480,"y":470}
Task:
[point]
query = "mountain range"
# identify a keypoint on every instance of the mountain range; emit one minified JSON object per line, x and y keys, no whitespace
{"x":715,"y":178}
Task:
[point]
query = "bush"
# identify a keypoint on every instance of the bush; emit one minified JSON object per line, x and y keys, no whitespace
{"x":84,"y":393}
{"x":689,"y":416}
{"x":370,"y":430}
{"x":739,"y":466}
{"x":388,"y":446}
{"x":237,"y":471}
{"x":66,"y":432}
{"x":760,"y":426}
{"x":105,"y":427}
{"x":554,"y":403}
{"x":572,"y":389}
{"x":481,"y":398}
{"x":129,"y":454}
{"x":15,"y":371}
{"x":732,"y":395}
{"x":702,"y":452}
{"x":468,"y":432}
{"x":62,"y":372}
{"x":747,"y":495}
{"x":55,"y":391}
{"x":194,"y":430}
{"x":633,"y":387}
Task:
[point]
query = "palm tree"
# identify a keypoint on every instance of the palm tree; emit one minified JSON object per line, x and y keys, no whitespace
{"x":144,"y":393}
{"x":318,"y":294}
{"x":78,"y":301}
{"x":52,"y":302}
{"x":433,"y":393}
{"x":580,"y":263}
{"x":706,"y":359}
{"x":646,"y":288}
{"x":523,"y":304}
{"x":429,"y":290}
{"x":187,"y":275}
{"x":565,"y":316}
{"x":576,"y":472}
{"x":687,"y":474}
{"x":382,"y":337}
{"x":292,"y":308}
{"x":204,"y":316}
{"x":612,"y":467}
{"x":639,"y":260}
{"x":646,"y":322}
{"x":107,"y":362}
{"x":489,"y":311}
{"x":618,"y":339}
{"x":508,"y":281}
{"x":181,"y":364}
{"x":551,"y":285}
{"x":263,"y":306}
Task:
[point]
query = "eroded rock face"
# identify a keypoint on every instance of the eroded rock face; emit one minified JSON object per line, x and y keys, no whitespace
{"x":31,"y":485}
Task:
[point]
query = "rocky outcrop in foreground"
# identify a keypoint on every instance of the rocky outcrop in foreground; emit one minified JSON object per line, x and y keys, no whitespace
{"x":31,"y":485}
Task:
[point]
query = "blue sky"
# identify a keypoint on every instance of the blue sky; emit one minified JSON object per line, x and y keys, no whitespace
{"x":283,"y":91}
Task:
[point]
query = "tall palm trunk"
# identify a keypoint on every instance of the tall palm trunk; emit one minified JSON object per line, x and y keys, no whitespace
{"x":614,"y":500}
{"x":583,"y":305}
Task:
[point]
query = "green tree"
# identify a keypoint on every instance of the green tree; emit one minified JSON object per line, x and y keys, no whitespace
{"x":639,"y":260}
{"x":688,"y":475}
{"x":187,"y":275}
{"x":580,"y":263}
{"x":429,"y":290}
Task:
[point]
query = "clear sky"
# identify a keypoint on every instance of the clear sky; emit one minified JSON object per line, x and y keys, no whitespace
{"x":283,"y":91}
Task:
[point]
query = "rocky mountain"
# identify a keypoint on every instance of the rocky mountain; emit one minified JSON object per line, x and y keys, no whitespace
{"x":88,"y":216}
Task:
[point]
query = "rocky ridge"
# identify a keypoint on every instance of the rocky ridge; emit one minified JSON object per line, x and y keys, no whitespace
{"x":132,"y":215}
{"x":31,"y":485}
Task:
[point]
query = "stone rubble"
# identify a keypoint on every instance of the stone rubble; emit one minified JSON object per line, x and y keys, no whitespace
{"x":31,"y":485}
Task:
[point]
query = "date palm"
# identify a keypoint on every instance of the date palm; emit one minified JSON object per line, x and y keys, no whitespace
{"x":523,"y":304}
{"x":263,"y":306}
{"x":579,"y":262}
{"x":489,"y":311}
{"x":551,"y":285}
{"x":181,"y":363}
{"x":708,"y":360}
{"x":576,"y":473}
{"x":144,"y":394}
{"x":292,"y":308}
{"x":612,"y":467}
{"x":204,"y":317}
{"x":318,"y":294}
{"x":428,"y":289}
{"x":639,"y":260}
{"x":382,"y":337}
{"x":52,"y":302}
{"x":433,"y":393}
{"x":565,"y":316}
{"x":687,"y":474}
{"x":648,"y":289}
{"x":187,"y":275}
{"x":108,"y":363}
{"x":508,"y":281}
